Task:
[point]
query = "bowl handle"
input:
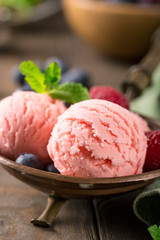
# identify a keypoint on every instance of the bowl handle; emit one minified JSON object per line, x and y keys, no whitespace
{"x":46,"y":219}
{"x":139,"y":76}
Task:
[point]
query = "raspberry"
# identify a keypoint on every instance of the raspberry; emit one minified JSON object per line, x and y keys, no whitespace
{"x":152,"y":161}
{"x":110,"y":94}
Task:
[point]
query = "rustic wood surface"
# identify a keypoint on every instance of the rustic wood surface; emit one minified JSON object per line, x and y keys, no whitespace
{"x":20,"y":203}
{"x":113,"y":220}
{"x":116,"y":219}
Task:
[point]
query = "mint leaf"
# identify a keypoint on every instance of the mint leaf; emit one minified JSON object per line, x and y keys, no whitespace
{"x":154,"y":231}
{"x":52,"y":75}
{"x":33,"y":76}
{"x":48,"y":82}
{"x":70,"y":92}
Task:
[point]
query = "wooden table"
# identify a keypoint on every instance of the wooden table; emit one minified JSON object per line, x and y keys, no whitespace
{"x":111,"y":219}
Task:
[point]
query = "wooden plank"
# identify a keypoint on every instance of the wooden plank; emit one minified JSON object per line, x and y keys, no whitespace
{"x":20,"y":203}
{"x":116,"y":219}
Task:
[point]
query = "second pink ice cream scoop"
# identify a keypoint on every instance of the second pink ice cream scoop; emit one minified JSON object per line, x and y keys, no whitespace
{"x":26,"y":121}
{"x":97,"y":138}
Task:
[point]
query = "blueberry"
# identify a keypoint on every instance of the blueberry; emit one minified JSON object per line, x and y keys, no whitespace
{"x":149,"y":1}
{"x":31,"y":160}
{"x":25,"y":87}
{"x":67,"y":104}
{"x":17,"y":76}
{"x":51,"y":168}
{"x":127,"y":1}
{"x":77,"y":76}
{"x":59,"y":61}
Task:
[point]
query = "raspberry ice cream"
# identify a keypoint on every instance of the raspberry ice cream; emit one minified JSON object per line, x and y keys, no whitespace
{"x":26,"y":121}
{"x":97,"y":138}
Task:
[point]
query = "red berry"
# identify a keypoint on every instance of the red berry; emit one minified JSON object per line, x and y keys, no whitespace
{"x":152,"y":161}
{"x":110,"y":94}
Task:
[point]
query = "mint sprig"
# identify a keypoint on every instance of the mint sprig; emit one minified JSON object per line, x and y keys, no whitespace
{"x":154,"y":231}
{"x":49,"y":82}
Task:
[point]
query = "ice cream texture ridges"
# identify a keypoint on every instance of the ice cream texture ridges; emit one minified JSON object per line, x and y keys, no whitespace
{"x":26,"y":121}
{"x":97,"y":138}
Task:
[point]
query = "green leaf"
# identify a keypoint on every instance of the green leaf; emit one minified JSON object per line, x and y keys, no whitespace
{"x":18,"y":5}
{"x":33,"y":76}
{"x":70,"y":92}
{"x":154,"y":231}
{"x":52,"y":75}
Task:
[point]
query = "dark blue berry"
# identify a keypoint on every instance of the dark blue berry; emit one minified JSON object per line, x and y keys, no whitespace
{"x":127,"y":1}
{"x":67,"y":104}
{"x":25,"y":87}
{"x":51,"y":168}
{"x":17,"y":76}
{"x":57,"y":60}
{"x":31,"y":160}
{"x":145,"y":1}
{"x":77,"y":76}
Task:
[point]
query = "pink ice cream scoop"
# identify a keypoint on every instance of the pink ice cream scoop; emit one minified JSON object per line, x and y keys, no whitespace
{"x":97,"y":138}
{"x":26,"y":122}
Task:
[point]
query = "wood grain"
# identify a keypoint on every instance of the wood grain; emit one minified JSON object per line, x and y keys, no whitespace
{"x":76,"y":220}
{"x":20,"y":203}
{"x":116,"y":219}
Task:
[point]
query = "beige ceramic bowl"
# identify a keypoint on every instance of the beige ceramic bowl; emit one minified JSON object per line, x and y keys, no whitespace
{"x":118,"y":29}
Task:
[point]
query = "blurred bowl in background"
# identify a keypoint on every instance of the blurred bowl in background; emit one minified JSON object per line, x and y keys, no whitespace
{"x":121,"y":30}
{"x":12,"y":18}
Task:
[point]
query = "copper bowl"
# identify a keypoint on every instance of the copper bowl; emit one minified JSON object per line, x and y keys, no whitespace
{"x":61,"y":187}
{"x":122,"y":30}
{"x":77,"y":187}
